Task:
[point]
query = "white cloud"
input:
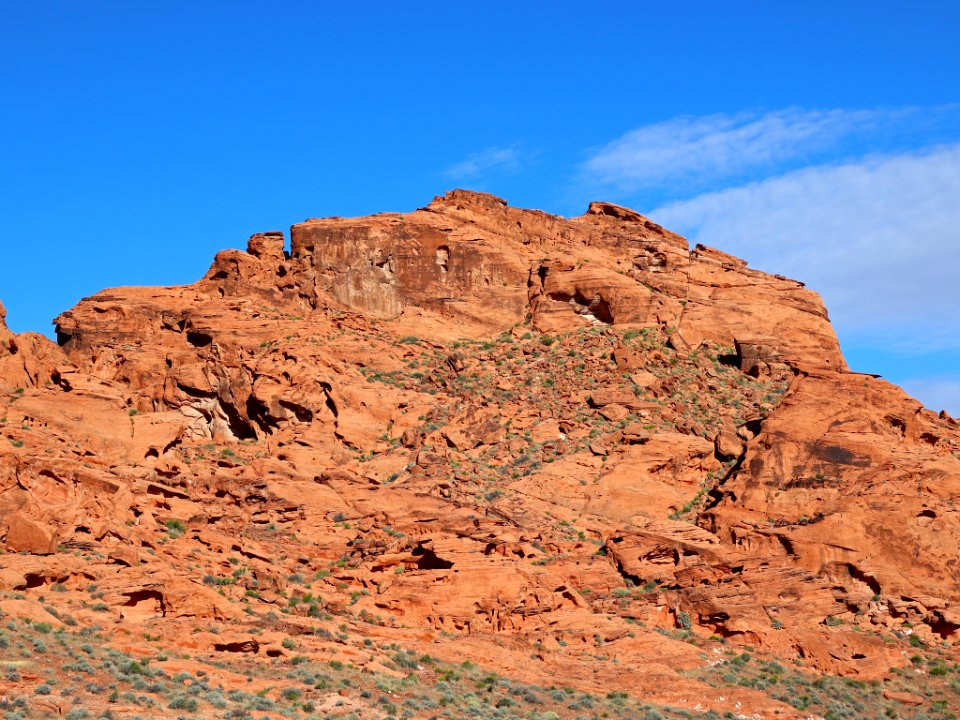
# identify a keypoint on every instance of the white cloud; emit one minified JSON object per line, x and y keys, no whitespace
{"x":937,"y":393}
{"x":879,"y":238}
{"x":700,"y":150}
{"x":479,"y":163}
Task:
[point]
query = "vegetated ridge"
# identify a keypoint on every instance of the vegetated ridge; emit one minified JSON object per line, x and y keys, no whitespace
{"x":472,"y":460}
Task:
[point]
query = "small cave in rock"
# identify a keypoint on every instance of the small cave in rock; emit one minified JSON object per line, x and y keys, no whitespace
{"x":245,"y":646}
{"x":427,"y":559}
{"x":716,"y":619}
{"x":929,"y":438}
{"x":593,"y":308}
{"x":786,"y":544}
{"x":239,"y":426}
{"x":870,"y":581}
{"x":897,"y":424}
{"x":944,"y":629}
{"x":63,"y":337}
{"x":384,"y":262}
{"x":302,"y":414}
{"x":119,"y":560}
{"x":173,"y":323}
{"x":31,"y":580}
{"x":199,"y":339}
{"x":443,"y":259}
{"x":729,"y":359}
{"x":144,"y":603}
{"x":650,"y":260}
{"x":57,"y":379}
{"x":259,"y":413}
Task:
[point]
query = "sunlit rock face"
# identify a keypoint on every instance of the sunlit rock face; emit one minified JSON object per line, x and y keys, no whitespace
{"x":483,"y":433}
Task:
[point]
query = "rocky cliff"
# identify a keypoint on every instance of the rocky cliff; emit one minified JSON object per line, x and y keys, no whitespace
{"x":574,"y":452}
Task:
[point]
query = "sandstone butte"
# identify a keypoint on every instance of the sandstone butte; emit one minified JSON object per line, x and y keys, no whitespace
{"x":470,"y":444}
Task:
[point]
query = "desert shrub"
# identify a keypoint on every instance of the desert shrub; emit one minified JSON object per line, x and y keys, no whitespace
{"x":183,"y":702}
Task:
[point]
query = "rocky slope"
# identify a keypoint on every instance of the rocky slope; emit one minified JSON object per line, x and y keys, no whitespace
{"x":572,"y":452}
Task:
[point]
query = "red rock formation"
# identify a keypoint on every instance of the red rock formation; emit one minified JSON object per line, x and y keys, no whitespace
{"x":493,"y":432}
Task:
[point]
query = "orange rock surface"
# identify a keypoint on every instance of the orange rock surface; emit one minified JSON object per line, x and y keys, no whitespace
{"x":485,"y":433}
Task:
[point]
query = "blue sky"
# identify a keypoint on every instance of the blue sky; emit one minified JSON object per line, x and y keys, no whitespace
{"x":819,"y":139}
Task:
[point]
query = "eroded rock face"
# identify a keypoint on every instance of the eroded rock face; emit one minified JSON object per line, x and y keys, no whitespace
{"x":486,"y":433}
{"x":471,"y":257}
{"x":863,"y":497}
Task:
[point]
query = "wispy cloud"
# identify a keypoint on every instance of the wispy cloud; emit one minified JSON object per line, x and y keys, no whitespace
{"x":492,"y":159}
{"x":879,"y":238}
{"x":696,"y":153}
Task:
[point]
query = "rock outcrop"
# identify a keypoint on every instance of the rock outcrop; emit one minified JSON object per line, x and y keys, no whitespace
{"x":485,"y":433}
